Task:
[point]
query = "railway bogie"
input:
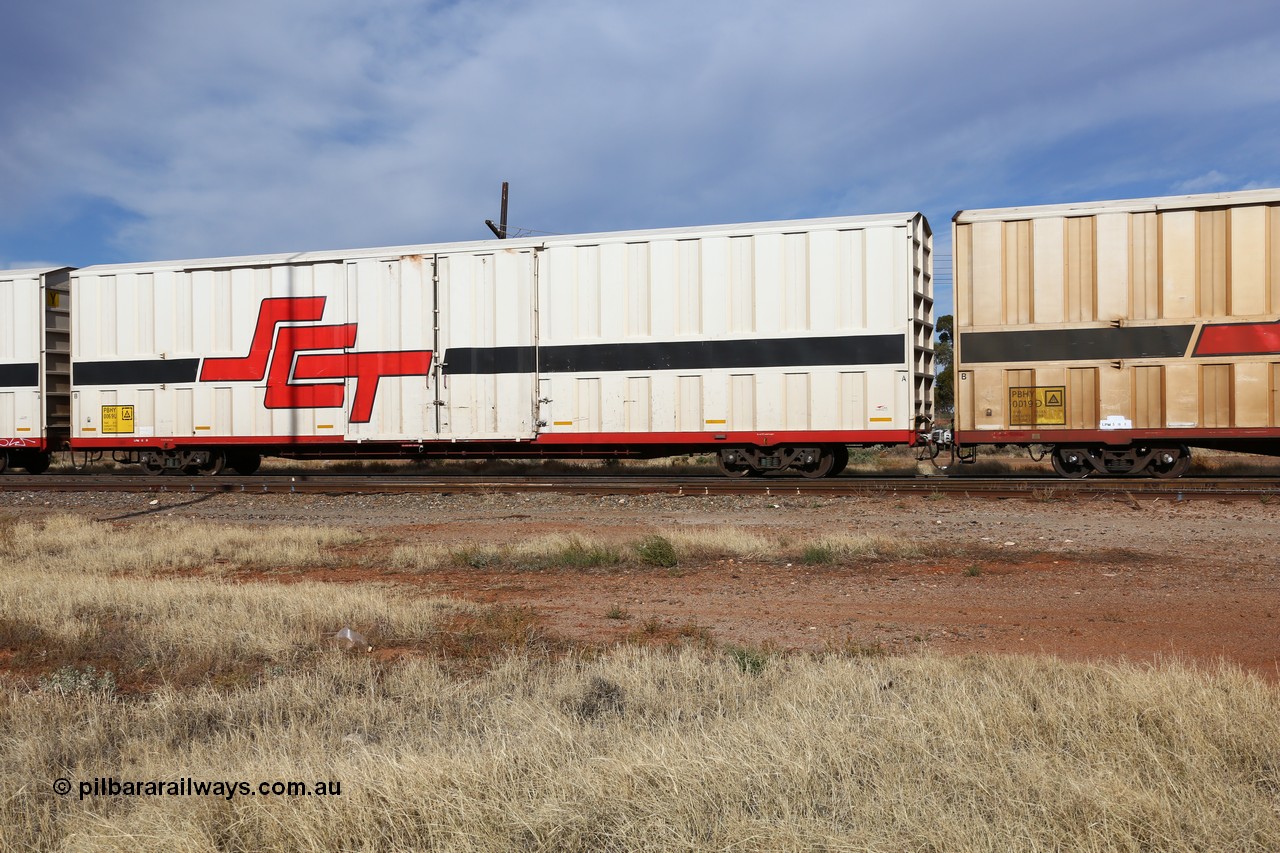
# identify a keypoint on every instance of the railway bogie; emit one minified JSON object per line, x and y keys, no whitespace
{"x":817,"y":461}
{"x":1166,"y":462}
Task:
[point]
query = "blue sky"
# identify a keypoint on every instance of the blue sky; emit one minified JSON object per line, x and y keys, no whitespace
{"x":138,"y":130}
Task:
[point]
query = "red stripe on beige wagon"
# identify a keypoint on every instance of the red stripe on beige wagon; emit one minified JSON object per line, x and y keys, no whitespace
{"x":1239,"y":339}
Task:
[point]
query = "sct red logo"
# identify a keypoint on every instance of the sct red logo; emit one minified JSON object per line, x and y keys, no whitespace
{"x":282,"y":354}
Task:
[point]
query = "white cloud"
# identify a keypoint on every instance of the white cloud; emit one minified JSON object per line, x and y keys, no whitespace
{"x":1208,"y":182}
{"x":16,"y":264}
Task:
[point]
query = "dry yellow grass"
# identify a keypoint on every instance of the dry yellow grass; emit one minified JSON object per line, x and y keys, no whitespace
{"x":632,"y":750}
{"x":718,"y":542}
{"x":76,"y":593}
{"x":1218,"y":463}
{"x":658,"y":751}
{"x":540,"y":552}
{"x":689,"y":544}
{"x":71,"y":543}
{"x":852,"y":547}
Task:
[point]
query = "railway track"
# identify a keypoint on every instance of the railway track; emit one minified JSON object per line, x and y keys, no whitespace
{"x":1042,"y":488}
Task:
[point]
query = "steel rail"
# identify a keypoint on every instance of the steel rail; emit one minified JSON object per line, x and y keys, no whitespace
{"x":1042,"y":488}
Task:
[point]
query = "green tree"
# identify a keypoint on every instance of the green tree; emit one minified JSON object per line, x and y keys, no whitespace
{"x":944,"y":398}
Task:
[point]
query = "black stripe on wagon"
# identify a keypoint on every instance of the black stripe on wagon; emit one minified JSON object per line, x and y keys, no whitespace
{"x":680,"y":355}
{"x":149,"y":372}
{"x":1109,"y":344}
{"x":19,"y":375}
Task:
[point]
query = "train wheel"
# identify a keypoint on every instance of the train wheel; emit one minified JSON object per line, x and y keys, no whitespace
{"x":841,"y":461}
{"x":4,"y":461}
{"x":153,"y":464}
{"x":1071,"y":463}
{"x":212,"y":467}
{"x":820,"y":467}
{"x":36,"y":463}
{"x":732,"y":464}
{"x":244,"y":464}
{"x":1170,"y":463}
{"x":217,"y":462}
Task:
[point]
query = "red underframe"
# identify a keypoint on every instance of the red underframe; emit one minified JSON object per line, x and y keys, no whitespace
{"x":37,"y":444}
{"x":1117,"y":437}
{"x":565,"y":440}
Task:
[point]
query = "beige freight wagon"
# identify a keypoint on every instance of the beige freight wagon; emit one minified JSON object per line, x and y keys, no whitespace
{"x":1120,"y":333}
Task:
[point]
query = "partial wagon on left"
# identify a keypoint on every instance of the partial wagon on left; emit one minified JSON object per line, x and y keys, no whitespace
{"x":35,"y":366}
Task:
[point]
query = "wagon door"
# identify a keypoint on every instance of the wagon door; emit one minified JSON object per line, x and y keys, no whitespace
{"x":390,"y":384}
{"x":487,"y":373}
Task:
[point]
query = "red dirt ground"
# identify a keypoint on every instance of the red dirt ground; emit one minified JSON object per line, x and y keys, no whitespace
{"x":1032,"y":604}
{"x":1078,"y":578}
{"x":1197,"y":582}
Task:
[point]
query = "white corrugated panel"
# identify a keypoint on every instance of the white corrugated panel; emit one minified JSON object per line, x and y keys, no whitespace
{"x":486,"y":307}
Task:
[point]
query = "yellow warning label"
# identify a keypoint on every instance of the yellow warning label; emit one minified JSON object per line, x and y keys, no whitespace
{"x":117,"y":419}
{"x":1038,"y":405}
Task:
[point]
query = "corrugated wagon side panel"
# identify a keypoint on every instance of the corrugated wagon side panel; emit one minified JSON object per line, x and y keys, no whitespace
{"x":1148,"y":397}
{"x":1144,"y":266}
{"x":887,"y":287}
{"x":21,"y":328}
{"x":1114,"y":268}
{"x":986,"y":260}
{"x":389,"y":300}
{"x":1017,"y":272}
{"x":1213,"y":230}
{"x":1251,"y":392}
{"x":1273,"y":258}
{"x":1081,"y":268}
{"x":1275,"y":394}
{"x":1114,"y":393}
{"x":1048,"y":251}
{"x":1178,"y":264}
{"x":828,"y":284}
{"x":741,"y":298}
{"x":1247,"y":252}
{"x":487,"y":306}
